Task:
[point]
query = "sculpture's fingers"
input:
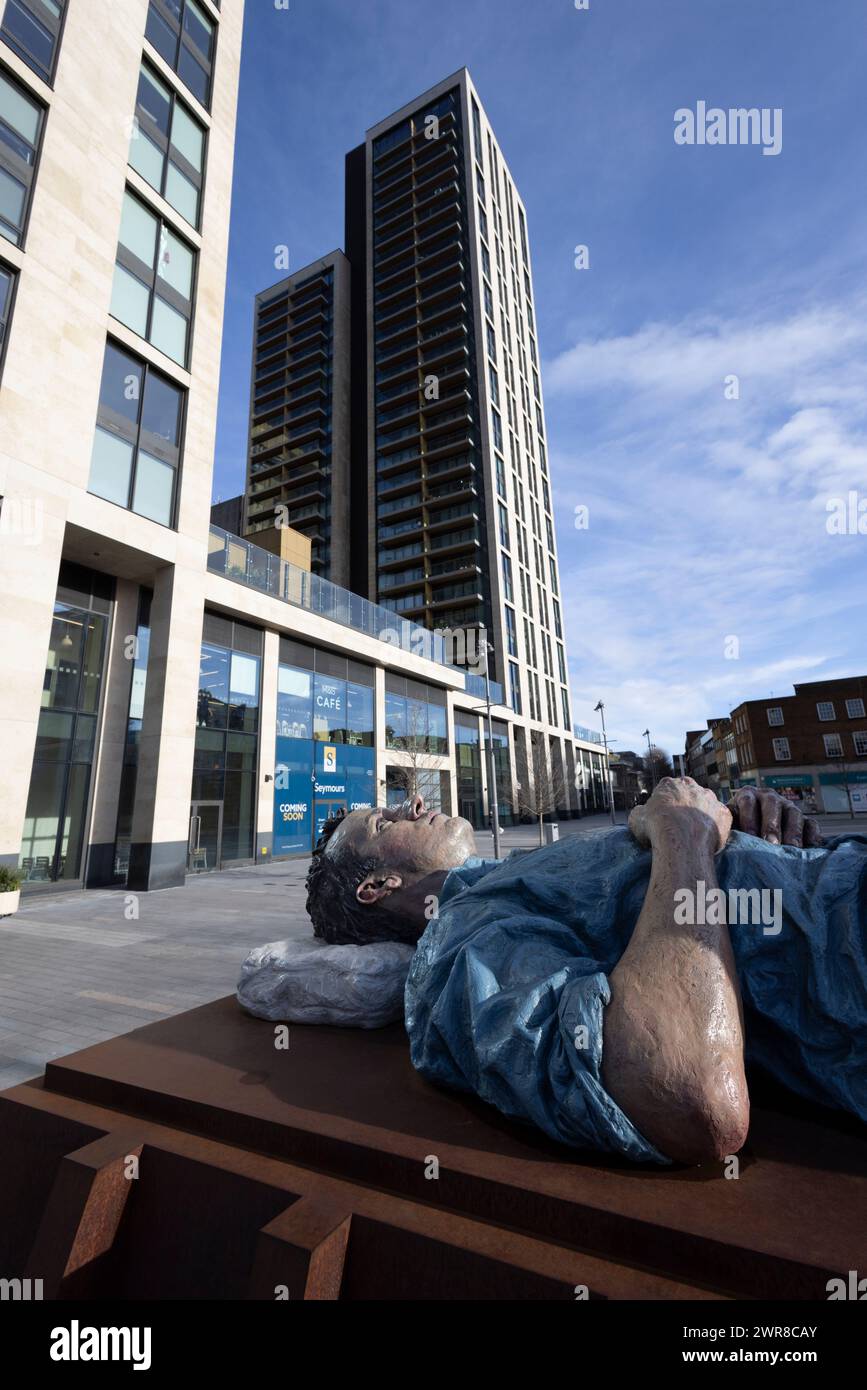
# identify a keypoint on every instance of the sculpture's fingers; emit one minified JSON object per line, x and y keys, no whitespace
{"x":793,"y":826}
{"x":813,"y":836}
{"x":772,"y":816}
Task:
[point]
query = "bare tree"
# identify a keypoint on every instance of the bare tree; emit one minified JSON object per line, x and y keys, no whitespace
{"x":418,"y":773}
{"x":540,"y":789}
{"x":657,"y":764}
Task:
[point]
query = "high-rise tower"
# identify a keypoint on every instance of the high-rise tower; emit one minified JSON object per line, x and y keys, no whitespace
{"x":452,"y":441}
{"x":299,"y":412}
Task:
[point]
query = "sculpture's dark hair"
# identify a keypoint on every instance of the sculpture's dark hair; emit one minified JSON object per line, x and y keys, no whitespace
{"x":337,"y":915}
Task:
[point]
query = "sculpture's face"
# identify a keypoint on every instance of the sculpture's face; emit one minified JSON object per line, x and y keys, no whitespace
{"x":408,"y":840}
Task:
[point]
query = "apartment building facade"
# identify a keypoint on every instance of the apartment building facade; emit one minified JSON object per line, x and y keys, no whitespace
{"x":810,"y":746}
{"x":116,"y":148}
{"x":298,"y":460}
{"x":450,"y":445}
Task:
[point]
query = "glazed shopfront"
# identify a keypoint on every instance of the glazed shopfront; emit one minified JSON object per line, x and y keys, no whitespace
{"x":325,"y":759}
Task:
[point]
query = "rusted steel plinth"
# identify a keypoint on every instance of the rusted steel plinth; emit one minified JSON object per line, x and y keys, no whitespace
{"x":193,"y":1159}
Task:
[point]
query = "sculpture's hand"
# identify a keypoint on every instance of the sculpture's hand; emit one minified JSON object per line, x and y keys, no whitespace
{"x":680,"y":802}
{"x":773,"y":818}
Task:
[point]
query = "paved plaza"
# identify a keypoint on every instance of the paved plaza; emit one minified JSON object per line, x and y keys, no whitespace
{"x":77,"y":968}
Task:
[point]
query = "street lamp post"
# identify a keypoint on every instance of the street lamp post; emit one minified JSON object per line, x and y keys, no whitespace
{"x":600,"y":709}
{"x":650,"y":759}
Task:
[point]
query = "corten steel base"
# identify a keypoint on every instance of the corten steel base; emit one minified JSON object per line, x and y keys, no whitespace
{"x":302,"y":1173}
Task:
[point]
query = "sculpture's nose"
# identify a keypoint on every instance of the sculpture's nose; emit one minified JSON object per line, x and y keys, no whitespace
{"x":415,"y":808}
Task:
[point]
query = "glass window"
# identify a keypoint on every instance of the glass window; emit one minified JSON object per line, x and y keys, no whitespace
{"x":168,"y":146}
{"x":32,"y":30}
{"x":825,"y":710}
{"x":416,"y":724}
{"x":507,"y":579}
{"x":153,"y":282}
{"x":855,"y":709}
{"x":437,"y":729}
{"x":154,"y":482}
{"x":294,"y":703}
{"x":56,"y":808}
{"x":361,"y":719}
{"x":859,"y":741}
{"x":329,"y":709}
{"x":136,"y":448}
{"x":111,"y":468}
{"x":833,"y":745}
{"x":775,"y":715}
{"x":213,"y":708}
{"x":781,"y":749}
{"x":184,"y":36}
{"x":20,"y":131}
{"x":515,"y":687}
{"x":395,"y":720}
{"x":244,"y":692}
{"x":7,"y":286}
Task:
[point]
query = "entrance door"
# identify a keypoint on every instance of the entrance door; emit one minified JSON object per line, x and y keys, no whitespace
{"x":204,"y":851}
{"x":324,"y":810}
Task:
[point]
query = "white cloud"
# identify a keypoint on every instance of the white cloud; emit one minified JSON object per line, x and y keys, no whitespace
{"x":707,"y":515}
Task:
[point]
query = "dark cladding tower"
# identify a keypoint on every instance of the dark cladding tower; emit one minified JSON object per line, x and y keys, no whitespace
{"x":298,"y":457}
{"x":453,"y":515}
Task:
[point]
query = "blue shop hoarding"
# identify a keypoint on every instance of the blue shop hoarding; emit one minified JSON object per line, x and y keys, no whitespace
{"x":313,"y":780}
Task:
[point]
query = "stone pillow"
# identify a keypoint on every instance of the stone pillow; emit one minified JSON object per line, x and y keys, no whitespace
{"x":310,"y":981}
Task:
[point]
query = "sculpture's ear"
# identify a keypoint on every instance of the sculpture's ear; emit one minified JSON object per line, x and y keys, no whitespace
{"x":376,"y":887}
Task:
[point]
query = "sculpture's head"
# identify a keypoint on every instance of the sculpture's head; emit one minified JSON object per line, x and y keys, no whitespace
{"x":373,"y":871}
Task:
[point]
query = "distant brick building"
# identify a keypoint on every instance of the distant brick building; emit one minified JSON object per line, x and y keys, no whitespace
{"x":812,"y":745}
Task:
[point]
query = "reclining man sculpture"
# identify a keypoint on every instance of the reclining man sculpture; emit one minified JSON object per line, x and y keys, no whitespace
{"x":607,"y":995}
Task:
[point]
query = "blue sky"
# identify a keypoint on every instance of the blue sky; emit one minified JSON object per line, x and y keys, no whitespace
{"x":706,"y":573}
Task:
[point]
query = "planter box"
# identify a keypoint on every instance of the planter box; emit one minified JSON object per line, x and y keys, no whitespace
{"x":9,"y":902}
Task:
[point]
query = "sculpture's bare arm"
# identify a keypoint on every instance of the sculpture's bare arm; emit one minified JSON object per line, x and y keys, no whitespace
{"x":672,"y":1052}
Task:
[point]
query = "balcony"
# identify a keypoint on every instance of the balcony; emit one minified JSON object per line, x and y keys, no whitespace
{"x":411,"y":502}
{"x":305,"y":453}
{"x":459,"y":567}
{"x":401,"y":528}
{"x":455,"y":541}
{"x":250,"y":565}
{"x":462,"y":439}
{"x":451,"y":491}
{"x":450,"y":514}
{"x":388,"y":439}
{"x":469,"y":592}
{"x":451,"y":467}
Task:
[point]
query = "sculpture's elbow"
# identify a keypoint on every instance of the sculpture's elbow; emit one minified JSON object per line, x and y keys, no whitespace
{"x":713,"y":1125}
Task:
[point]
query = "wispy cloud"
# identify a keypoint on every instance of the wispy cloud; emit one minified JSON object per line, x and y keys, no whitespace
{"x":708,"y":514}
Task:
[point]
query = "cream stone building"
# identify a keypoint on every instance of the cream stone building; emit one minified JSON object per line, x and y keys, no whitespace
{"x":156,"y":672}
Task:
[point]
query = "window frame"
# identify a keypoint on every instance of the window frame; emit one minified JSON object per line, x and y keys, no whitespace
{"x":836,"y":739}
{"x":825,"y":718}
{"x":130,"y":262}
{"x":118,"y":427}
{"x":782,"y":757}
{"x":16,"y":167}
{"x":160,"y":8}
{"x":862,"y":734}
{"x":151,"y":130}
{"x":858,"y":713}
{"x":6,"y":320}
{"x":775,"y":723}
{"x":50,"y":22}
